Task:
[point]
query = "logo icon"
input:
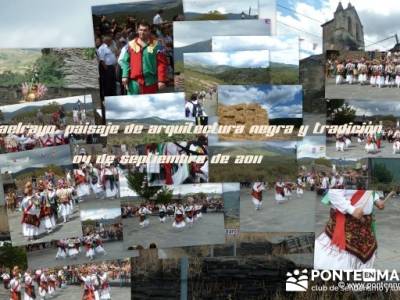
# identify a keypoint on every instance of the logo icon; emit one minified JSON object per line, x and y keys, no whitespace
{"x":297,"y":282}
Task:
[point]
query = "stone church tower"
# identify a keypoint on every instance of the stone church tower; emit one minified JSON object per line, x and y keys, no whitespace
{"x":344,"y":31}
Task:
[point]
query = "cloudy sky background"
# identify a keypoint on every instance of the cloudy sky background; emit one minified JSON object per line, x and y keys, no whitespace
{"x":311,"y":146}
{"x":372,"y":107}
{"x":190,"y":32}
{"x":281,"y":101}
{"x":169,"y":106}
{"x":36,"y":158}
{"x":283,"y":49}
{"x":238,"y":59}
{"x":223,"y":6}
{"x":100,"y":213}
{"x":60,"y":101}
{"x":380,"y":20}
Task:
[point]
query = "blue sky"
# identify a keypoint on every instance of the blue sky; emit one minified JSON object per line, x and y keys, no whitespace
{"x":281,"y":101}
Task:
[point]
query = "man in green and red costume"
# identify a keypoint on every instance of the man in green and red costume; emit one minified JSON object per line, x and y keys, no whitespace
{"x":144,"y":65}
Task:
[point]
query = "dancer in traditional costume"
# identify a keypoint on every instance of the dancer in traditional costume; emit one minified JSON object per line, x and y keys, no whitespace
{"x":162,"y":213}
{"x":340,"y":70}
{"x":349,"y":241}
{"x":340,"y":143}
{"x":73,"y":248}
{"x":62,"y":246}
{"x":370,"y":146}
{"x":144,"y":64}
{"x":46,"y":216}
{"x":89,"y":245}
{"x":349,"y":72}
{"x":279,"y":191}
{"x":95,"y":182}
{"x":29,"y":288}
{"x":300,"y":186}
{"x":397,"y":71}
{"x":52,"y":281}
{"x":143,"y":219}
{"x":105,"y":290}
{"x":88,"y":289}
{"x":82,"y":186}
{"x":95,"y":283}
{"x":43,"y":287}
{"x":109,"y":176}
{"x":64,"y":195}
{"x":15,"y":284}
{"x":31,"y":209}
{"x":256,"y":194}
{"x":6,"y":280}
{"x":98,"y":243}
{"x":396,"y":146}
{"x":189,"y":212}
{"x":179,"y":217}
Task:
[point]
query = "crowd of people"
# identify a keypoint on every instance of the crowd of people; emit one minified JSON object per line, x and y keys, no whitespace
{"x":48,"y":283}
{"x":125,"y":50}
{"x":179,"y":214}
{"x":314,"y":181}
{"x":45,"y":205}
{"x":72,"y":248}
{"x":378,"y":72}
{"x":372,"y":142}
{"x":97,"y":179}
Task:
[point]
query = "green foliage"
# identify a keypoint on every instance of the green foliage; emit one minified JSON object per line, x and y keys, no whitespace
{"x":211,"y":15}
{"x":13,"y":256}
{"x":323,"y":162}
{"x":382,"y":174}
{"x":89,"y":53}
{"x":48,"y":70}
{"x":9,"y":78}
{"x":284,"y":75}
{"x":164,"y":196}
{"x":137,"y":182}
{"x":340,"y":114}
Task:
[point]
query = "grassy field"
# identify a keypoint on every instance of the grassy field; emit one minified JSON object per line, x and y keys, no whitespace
{"x":270,"y":169}
{"x":17,"y":60}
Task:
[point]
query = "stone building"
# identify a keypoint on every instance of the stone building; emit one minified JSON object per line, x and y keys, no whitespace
{"x":344,"y":31}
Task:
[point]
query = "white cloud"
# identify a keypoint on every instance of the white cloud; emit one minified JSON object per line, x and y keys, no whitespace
{"x":168,"y":106}
{"x":239,"y":59}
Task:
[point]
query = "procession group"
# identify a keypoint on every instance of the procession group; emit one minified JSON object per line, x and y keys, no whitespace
{"x":49,"y":283}
{"x":372,"y":142}
{"x":181,"y":215}
{"x":45,"y":204}
{"x":72,"y":248}
{"x":378,"y":72}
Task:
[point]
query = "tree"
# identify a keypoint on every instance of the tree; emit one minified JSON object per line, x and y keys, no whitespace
{"x":382,"y":174}
{"x":164,"y":196}
{"x":13,"y":256}
{"x":137,"y":182}
{"x":340,"y":112}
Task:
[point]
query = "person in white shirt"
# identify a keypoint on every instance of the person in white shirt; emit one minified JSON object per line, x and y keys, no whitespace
{"x":107,"y":67}
{"x":157,"y":20}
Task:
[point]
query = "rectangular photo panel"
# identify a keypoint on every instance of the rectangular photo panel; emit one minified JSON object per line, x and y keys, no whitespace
{"x":29,"y":75}
{"x":371,"y":121}
{"x":102,"y":239}
{"x":43,"y":194}
{"x":369,"y":216}
{"x":106,"y":279}
{"x":205,"y":71}
{"x":45,"y":123}
{"x":265,"y":112}
{"x":159,"y":113}
{"x":185,"y":215}
{"x":252,"y":161}
{"x":284,"y":53}
{"x":196,"y":36}
{"x":128,"y":37}
{"x":220,"y":10}
{"x":368,"y":75}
